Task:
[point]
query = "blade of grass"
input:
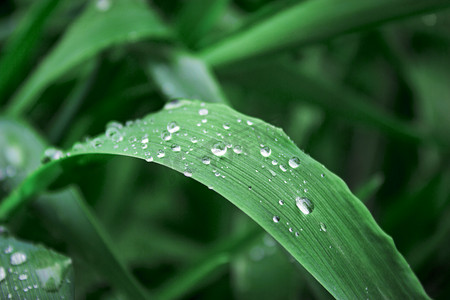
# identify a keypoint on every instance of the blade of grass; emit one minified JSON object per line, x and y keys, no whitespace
{"x":311,"y":22}
{"x":182,"y":75}
{"x":19,"y":47}
{"x":290,"y":84}
{"x":33,"y":272}
{"x":319,"y":221}
{"x":96,"y":29}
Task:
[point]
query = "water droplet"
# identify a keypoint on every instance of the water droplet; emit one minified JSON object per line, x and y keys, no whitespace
{"x":249,"y":188}
{"x":274,"y":162}
{"x":113,"y":131}
{"x":203,"y":112}
{"x":166,"y":136}
{"x":160,"y":153}
{"x":18,"y":258}
{"x":103,"y":5}
{"x":2,"y":274}
{"x":52,"y":276}
{"x":51,"y":154}
{"x":294,"y":162}
{"x":304,"y":204}
{"x":145,"y":140}
{"x":283,"y":168}
{"x":266,"y":151}
{"x":96,"y":143}
{"x":187,"y":173}
{"x":148,"y":156}
{"x":194,"y":140}
{"x":173,"y":127}
{"x":219,"y":149}
{"x":323,"y":227}
{"x":176,"y":148}
{"x":276,"y":219}
{"x":249,"y":122}
{"x":8,"y":249}
{"x":206,"y":160}
{"x":281,"y":202}
{"x":322,"y":175}
{"x":237,"y":149}
{"x":226,"y":126}
{"x":23,"y":277}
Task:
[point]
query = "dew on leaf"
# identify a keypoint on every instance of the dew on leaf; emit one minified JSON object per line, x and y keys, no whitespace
{"x":2,"y":274}
{"x":276,"y":219}
{"x":173,"y":127}
{"x":51,"y":154}
{"x":203,"y":112}
{"x":226,"y":126}
{"x":219,"y":149}
{"x":176,"y":148}
{"x":294,"y":162}
{"x":160,"y":153}
{"x":18,"y":258}
{"x":323,"y":227}
{"x":166,"y":136}
{"x":283,"y":168}
{"x":265,"y":151}
{"x":23,"y":277}
{"x":237,"y":149}
{"x":206,"y":160}
{"x":304,"y":204}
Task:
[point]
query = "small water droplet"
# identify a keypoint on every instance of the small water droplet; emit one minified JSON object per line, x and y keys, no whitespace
{"x":276,"y":219}
{"x":173,"y":127}
{"x":322,"y":175}
{"x":266,"y":151}
{"x":194,"y":140}
{"x":323,"y":227}
{"x":96,"y":143}
{"x":103,"y":5}
{"x":237,"y":149}
{"x":219,"y":149}
{"x":203,"y":112}
{"x":281,"y":202}
{"x":8,"y":249}
{"x":166,"y":136}
{"x":148,"y":156}
{"x":187,"y":173}
{"x":160,"y":153}
{"x":304,"y":204}
{"x":294,"y":162}
{"x":283,"y":168}
{"x":176,"y":148}
{"x":18,"y":258}
{"x":206,"y":160}
{"x":113,"y":133}
{"x":249,"y":188}
{"x":51,"y":154}
{"x":145,"y":140}
{"x":249,"y":122}
{"x":23,"y":277}
{"x":226,"y":126}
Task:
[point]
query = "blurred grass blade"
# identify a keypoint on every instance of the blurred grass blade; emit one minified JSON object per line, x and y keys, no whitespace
{"x":309,"y":22}
{"x":69,"y":216}
{"x":65,"y":211}
{"x":28,"y":271}
{"x":181,"y":75}
{"x":20,"y":46}
{"x":290,"y":84}
{"x":305,"y":207}
{"x":102,"y":25}
{"x":197,"y":17}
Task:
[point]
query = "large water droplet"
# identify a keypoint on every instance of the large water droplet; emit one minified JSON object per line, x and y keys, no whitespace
{"x":18,"y":258}
{"x":160,"y":153}
{"x":219,"y":149}
{"x":266,"y":151}
{"x":96,"y":143}
{"x":294,"y":162}
{"x":187,"y":173}
{"x":173,"y":127}
{"x":304,"y":204}
{"x":113,"y":131}
{"x":51,"y":277}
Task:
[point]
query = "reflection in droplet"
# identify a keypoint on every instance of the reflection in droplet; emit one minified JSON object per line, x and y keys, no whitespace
{"x":304,"y":204}
{"x":219,"y":149}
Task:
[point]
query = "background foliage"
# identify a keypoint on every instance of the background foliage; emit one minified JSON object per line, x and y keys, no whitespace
{"x":362,"y":88}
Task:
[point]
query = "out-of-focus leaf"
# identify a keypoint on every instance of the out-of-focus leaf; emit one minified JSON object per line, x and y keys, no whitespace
{"x":305,"y":207}
{"x":181,"y":75}
{"x":311,"y":21}
{"x":65,"y":212}
{"x":102,"y":25}
{"x":17,"y":51}
{"x":28,"y":271}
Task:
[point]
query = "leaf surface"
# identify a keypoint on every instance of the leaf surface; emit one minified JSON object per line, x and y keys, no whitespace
{"x":305,"y":207}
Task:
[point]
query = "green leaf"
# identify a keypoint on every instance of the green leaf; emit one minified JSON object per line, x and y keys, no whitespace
{"x":102,"y":25}
{"x":305,"y":207}
{"x":310,"y":22}
{"x":64,"y":211}
{"x":34,"y":272}
{"x":17,"y":51}
{"x":182,"y":75}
